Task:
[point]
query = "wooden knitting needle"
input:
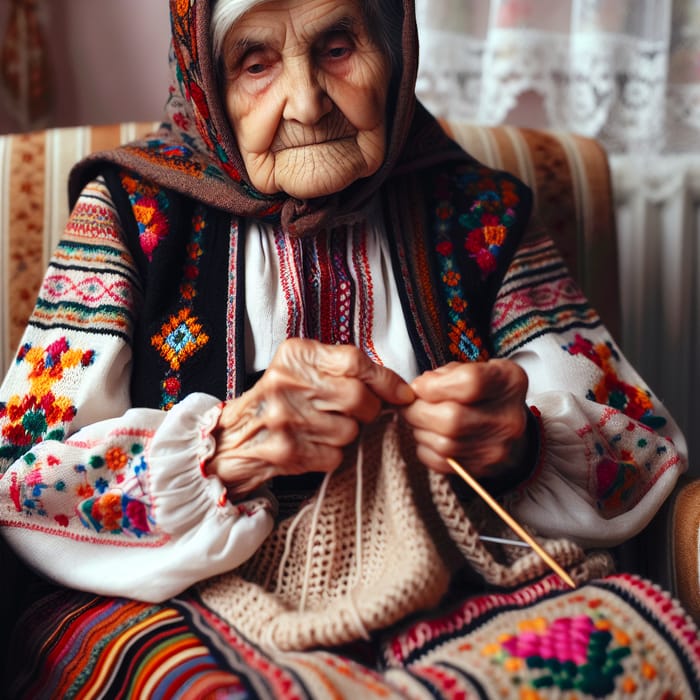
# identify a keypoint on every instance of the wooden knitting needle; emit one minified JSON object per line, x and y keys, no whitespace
{"x":508,"y":519}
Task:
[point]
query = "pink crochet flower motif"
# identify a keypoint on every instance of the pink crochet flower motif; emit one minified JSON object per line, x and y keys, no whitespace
{"x":570,"y":653}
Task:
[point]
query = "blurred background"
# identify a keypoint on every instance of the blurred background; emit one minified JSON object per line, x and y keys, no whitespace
{"x":71,"y":62}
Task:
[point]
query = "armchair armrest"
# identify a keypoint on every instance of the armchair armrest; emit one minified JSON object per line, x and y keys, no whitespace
{"x":684,"y":534}
{"x":667,"y":551}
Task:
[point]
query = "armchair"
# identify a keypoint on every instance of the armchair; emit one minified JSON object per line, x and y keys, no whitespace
{"x":573,"y":201}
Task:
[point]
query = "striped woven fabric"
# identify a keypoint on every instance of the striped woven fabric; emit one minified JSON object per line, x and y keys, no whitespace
{"x":34,"y":209}
{"x":619,"y":637}
{"x":569,"y":175}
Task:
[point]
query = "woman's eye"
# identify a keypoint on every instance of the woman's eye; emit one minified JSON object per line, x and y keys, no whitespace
{"x":256,"y":62}
{"x":338,"y":51}
{"x":338,"y":45}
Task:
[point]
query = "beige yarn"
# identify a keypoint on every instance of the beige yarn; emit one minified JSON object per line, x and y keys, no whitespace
{"x":380,"y":540}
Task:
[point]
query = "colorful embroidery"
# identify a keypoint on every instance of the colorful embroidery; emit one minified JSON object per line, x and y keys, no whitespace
{"x":365,"y":293}
{"x":111,"y":489}
{"x":90,"y":284}
{"x":324,"y":286}
{"x":40,"y":414}
{"x":633,"y":633}
{"x":633,"y":401}
{"x":489,"y":217}
{"x":116,"y":512}
{"x":616,"y":481}
{"x":327,"y":289}
{"x":577,"y":653}
{"x":182,"y":335}
{"x":149,"y":204}
{"x":464,"y":341}
{"x":625,"y":458}
{"x":601,"y":640}
{"x":93,"y":216}
{"x":175,"y":157}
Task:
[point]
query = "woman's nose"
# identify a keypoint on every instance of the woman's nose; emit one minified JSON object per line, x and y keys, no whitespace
{"x":306,"y":101}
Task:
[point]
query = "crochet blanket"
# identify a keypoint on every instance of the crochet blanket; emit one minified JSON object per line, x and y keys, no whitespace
{"x":618,"y":637}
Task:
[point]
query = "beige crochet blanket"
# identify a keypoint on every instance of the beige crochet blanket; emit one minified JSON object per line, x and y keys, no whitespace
{"x":381,"y":539}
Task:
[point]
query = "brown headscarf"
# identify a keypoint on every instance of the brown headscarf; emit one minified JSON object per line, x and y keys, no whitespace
{"x":195,"y":152}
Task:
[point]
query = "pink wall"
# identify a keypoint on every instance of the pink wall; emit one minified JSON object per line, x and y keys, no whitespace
{"x":108,"y":58}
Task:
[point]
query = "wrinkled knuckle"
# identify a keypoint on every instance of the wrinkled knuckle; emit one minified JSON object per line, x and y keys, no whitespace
{"x":353,"y":358}
{"x":450,"y":422}
{"x":442,"y":445}
{"x":285,"y":448}
{"x":274,"y":377}
{"x":274,"y":413}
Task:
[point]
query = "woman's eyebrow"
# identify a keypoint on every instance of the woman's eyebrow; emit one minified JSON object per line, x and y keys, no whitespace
{"x":243,"y":45}
{"x":346,"y":23}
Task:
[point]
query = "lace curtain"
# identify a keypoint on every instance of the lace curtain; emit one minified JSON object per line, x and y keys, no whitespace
{"x":624,"y":71}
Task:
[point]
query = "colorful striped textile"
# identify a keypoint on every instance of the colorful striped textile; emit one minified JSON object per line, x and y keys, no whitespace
{"x":619,"y":637}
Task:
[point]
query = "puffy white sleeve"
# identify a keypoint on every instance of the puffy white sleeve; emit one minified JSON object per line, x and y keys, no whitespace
{"x":609,"y":452}
{"x":95,"y":494}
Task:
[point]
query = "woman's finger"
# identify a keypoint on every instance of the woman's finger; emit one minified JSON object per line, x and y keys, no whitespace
{"x":473,"y":382}
{"x":350,"y":362}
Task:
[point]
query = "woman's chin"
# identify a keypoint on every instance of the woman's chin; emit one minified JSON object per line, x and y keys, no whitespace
{"x":320,"y":171}
{"x":318,"y":187}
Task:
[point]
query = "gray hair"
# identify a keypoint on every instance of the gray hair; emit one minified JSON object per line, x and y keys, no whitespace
{"x":384,"y":22}
{"x":224,"y":14}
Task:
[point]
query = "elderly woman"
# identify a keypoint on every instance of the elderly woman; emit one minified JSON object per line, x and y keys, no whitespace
{"x":262,"y":335}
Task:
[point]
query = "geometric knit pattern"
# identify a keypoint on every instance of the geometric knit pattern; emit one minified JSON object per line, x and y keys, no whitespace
{"x":90,"y":282}
{"x":538,"y":296}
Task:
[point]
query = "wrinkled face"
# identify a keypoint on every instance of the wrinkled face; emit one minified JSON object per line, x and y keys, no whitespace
{"x":305,"y":91}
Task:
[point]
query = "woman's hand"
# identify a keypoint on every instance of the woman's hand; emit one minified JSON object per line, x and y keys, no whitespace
{"x":473,"y":412}
{"x":301,"y":413}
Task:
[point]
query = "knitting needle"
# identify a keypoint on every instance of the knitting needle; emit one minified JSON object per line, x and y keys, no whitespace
{"x":502,"y":540}
{"x":514,"y":525}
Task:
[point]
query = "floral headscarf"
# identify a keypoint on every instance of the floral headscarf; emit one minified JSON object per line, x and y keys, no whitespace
{"x":195,"y":152}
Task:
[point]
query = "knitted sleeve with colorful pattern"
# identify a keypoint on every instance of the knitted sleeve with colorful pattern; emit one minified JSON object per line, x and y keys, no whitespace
{"x":610,"y":453}
{"x":95,"y":494}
